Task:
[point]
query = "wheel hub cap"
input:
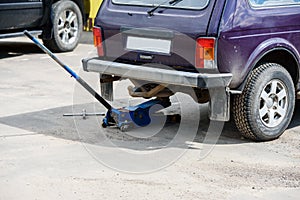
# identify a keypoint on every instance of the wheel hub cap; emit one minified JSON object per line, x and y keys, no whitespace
{"x":269,"y":102}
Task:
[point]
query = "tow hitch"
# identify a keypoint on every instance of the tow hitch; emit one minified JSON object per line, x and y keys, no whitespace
{"x":123,"y":118}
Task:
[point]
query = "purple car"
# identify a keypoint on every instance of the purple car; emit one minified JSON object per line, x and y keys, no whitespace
{"x":242,"y":56}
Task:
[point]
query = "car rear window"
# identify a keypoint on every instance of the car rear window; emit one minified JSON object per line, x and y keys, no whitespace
{"x":185,"y":4}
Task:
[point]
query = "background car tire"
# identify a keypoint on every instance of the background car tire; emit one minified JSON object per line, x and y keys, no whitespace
{"x":67,"y":26}
{"x":265,"y":108}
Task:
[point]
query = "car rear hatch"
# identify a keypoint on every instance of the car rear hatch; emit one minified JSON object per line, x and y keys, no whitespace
{"x":131,"y":33}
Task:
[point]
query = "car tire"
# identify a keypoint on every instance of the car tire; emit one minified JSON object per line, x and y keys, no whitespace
{"x":265,"y":108}
{"x":67,"y":26}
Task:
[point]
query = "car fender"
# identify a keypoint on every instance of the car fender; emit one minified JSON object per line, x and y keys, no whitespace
{"x":265,"y":48}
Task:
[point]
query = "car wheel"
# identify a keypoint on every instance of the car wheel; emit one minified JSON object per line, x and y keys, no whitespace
{"x":265,"y":108}
{"x":67,"y":26}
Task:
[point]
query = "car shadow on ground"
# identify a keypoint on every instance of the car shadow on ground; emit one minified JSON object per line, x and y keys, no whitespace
{"x":9,"y":49}
{"x":51,"y":122}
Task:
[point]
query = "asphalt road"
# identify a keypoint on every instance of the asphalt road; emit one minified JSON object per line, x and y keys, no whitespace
{"x":44,"y":155}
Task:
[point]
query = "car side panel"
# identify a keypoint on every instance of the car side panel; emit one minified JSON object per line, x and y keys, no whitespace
{"x":252,"y":34}
{"x":18,"y":14}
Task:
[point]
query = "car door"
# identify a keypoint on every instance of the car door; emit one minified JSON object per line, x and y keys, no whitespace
{"x":18,"y":14}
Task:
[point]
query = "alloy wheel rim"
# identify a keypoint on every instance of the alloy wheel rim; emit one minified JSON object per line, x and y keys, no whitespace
{"x":67,"y":27}
{"x":273,"y":103}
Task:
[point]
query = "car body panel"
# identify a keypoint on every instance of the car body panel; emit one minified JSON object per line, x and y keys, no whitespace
{"x":253,"y":33}
{"x":244,"y":33}
{"x":190,"y":24}
{"x":18,"y":14}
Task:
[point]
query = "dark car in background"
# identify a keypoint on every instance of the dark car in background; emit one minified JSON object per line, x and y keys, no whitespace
{"x":60,"y":22}
{"x":243,"y":53}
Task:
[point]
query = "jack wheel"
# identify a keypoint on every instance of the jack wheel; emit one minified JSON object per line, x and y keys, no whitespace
{"x":104,"y":125}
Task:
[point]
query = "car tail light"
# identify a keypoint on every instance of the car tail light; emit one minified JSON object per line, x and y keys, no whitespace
{"x":98,"y":40}
{"x":205,"y":53}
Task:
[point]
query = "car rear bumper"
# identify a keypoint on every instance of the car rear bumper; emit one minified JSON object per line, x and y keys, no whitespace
{"x":216,"y":83}
{"x":158,"y":75}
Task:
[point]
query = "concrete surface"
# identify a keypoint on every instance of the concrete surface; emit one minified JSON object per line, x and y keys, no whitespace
{"x":46,"y":156}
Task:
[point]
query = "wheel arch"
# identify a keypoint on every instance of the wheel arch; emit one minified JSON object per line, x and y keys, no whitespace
{"x":278,"y":51}
{"x":80,"y":3}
